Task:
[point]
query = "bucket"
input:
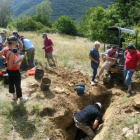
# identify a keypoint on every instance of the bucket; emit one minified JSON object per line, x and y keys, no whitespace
{"x":80,"y":88}
{"x":6,"y":78}
{"x":39,"y":73}
{"x":45,"y":84}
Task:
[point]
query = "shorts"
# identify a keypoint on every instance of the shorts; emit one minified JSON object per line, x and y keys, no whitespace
{"x":49,"y":55}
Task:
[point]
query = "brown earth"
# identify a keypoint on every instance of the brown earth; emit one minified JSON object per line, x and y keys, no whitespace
{"x":61,"y":102}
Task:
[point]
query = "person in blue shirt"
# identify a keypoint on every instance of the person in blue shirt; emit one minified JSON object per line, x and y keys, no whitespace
{"x":95,"y":61}
{"x":29,"y":47}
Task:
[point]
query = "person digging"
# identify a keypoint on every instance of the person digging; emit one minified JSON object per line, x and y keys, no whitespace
{"x":88,"y":119}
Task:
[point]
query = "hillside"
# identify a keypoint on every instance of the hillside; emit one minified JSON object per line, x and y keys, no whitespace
{"x":73,"y":8}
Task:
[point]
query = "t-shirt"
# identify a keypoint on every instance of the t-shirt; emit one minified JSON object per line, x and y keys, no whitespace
{"x":131,"y":59}
{"x":88,"y":115}
{"x":110,"y":54}
{"x":95,"y":55}
{"x":0,"y":40}
{"x":48,"y":42}
{"x":27,"y":44}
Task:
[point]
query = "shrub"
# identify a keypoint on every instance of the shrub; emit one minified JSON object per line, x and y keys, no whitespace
{"x":66,"y":26}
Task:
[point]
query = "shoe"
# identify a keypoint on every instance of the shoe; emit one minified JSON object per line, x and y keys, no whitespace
{"x":24,"y":100}
{"x":124,"y":88}
{"x":129,"y":93}
{"x":14,"y":98}
{"x":93,"y":83}
{"x":96,"y":81}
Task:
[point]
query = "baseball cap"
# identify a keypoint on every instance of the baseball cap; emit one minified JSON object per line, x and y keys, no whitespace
{"x":44,"y":34}
{"x":99,"y":104}
{"x":130,"y":46}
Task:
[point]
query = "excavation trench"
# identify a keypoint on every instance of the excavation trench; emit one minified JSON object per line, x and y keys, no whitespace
{"x":105,"y":98}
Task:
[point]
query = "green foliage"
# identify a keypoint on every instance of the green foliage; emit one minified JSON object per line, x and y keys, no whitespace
{"x":5,"y":12}
{"x":65,"y":25}
{"x":44,"y":9}
{"x":28,"y":24}
{"x":75,"y":9}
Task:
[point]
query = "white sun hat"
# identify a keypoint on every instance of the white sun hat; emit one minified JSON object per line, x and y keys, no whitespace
{"x":99,"y":104}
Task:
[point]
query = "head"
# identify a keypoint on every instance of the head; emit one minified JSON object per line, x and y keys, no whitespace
{"x":15,"y":33}
{"x":5,"y":31}
{"x":131,"y":48}
{"x":12,"y":41}
{"x":44,"y":35}
{"x":97,"y":45}
{"x":99,"y":105}
{"x":2,"y":34}
{"x":114,"y":49}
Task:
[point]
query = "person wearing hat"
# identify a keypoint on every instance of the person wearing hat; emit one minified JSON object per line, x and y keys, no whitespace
{"x":48,"y":47}
{"x":111,"y":58}
{"x":132,"y":63}
{"x":88,"y":119}
{"x":95,"y":61}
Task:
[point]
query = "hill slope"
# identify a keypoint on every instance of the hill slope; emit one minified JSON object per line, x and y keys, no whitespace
{"x":73,"y":8}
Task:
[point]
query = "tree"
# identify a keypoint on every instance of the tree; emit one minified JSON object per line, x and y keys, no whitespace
{"x":5,"y":12}
{"x":66,"y":25}
{"x":44,"y":9}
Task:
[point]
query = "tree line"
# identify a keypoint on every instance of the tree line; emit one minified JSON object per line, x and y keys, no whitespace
{"x":123,"y":13}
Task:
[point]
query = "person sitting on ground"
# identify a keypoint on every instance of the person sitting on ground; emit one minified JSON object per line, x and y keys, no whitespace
{"x":29,"y":47}
{"x":95,"y":61}
{"x":48,"y":47}
{"x":132,"y":63}
{"x":13,"y":69}
{"x":88,"y":119}
{"x":111,"y":58}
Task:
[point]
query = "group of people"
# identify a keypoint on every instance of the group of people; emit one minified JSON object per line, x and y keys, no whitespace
{"x":132,"y":63}
{"x":12,"y":51}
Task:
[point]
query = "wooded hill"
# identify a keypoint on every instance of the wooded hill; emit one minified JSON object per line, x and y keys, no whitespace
{"x":72,"y":8}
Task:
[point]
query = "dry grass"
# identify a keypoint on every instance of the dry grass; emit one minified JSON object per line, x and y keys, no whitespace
{"x":70,"y":52}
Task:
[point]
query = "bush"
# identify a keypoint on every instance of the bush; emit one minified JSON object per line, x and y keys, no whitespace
{"x":28,"y":24}
{"x":66,"y":26}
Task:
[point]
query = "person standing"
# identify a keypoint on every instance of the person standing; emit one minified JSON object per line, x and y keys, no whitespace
{"x":1,"y":47}
{"x":132,"y":63}
{"x":111,"y":58}
{"x":95,"y":61}
{"x":13,"y":69}
{"x":48,"y":47}
{"x":88,"y":119}
{"x":29,"y":47}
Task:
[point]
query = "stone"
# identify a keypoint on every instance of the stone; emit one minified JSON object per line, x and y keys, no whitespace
{"x":129,"y":134}
{"x":136,"y":103}
{"x":136,"y":129}
{"x":124,"y":130}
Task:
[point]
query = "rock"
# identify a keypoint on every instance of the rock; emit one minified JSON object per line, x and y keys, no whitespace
{"x":129,"y":134}
{"x":34,"y":85}
{"x":136,"y":103}
{"x":136,"y":129}
{"x":124,"y":130}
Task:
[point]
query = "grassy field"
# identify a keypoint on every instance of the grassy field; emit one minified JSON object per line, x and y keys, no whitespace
{"x":70,"y":52}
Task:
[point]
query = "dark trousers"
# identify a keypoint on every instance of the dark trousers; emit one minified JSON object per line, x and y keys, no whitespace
{"x":94,"y":72}
{"x":15,"y":82}
{"x":30,"y":55}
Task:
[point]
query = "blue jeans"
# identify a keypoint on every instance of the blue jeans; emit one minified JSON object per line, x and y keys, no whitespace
{"x":127,"y":76}
{"x":94,"y":72}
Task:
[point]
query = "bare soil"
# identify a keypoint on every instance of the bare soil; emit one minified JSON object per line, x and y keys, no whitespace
{"x":60,"y":103}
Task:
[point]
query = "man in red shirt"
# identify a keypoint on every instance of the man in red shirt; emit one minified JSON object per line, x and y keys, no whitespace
{"x":48,"y":47}
{"x":132,"y":63}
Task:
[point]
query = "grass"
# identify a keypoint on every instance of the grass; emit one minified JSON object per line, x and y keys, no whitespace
{"x":71,"y":52}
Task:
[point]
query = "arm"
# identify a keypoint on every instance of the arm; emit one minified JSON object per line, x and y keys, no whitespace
{"x":20,"y":46}
{"x":95,"y":124}
{"x":93,"y":59}
{"x":11,"y":63}
{"x":111,"y":59}
{"x":48,"y":46}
